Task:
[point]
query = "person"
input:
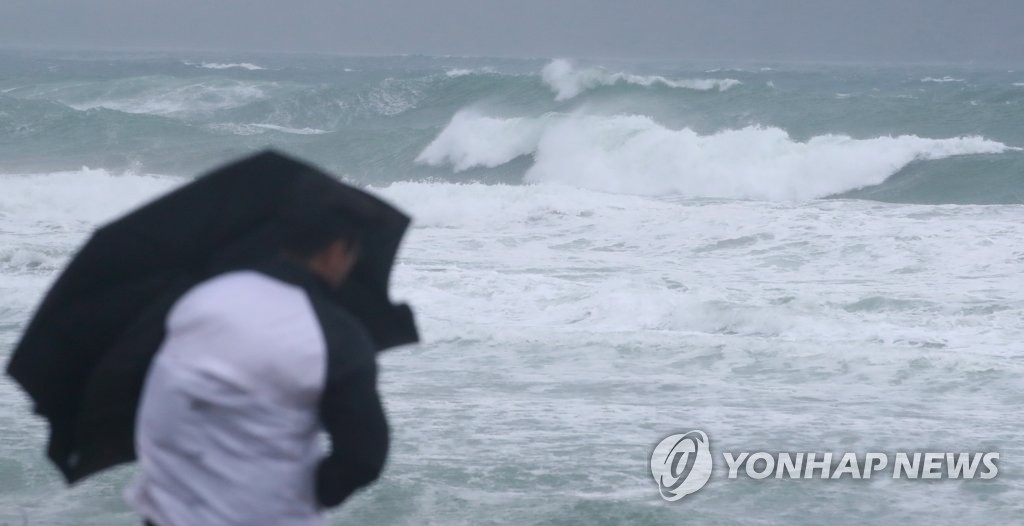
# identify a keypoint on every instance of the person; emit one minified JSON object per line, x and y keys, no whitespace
{"x":254,"y":364}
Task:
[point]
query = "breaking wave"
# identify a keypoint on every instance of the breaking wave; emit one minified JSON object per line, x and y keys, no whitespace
{"x":637,"y":155}
{"x":567,"y":81}
{"x":623,"y":129}
{"x":74,"y":199}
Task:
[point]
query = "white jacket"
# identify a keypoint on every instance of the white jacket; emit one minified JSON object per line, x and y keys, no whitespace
{"x":253,"y":366}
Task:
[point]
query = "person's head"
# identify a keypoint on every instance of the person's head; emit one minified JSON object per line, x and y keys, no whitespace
{"x":323,"y":240}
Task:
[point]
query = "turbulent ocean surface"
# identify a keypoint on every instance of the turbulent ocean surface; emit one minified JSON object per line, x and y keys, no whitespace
{"x":789,"y":258}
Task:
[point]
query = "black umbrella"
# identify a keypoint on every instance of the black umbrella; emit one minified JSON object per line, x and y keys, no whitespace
{"x":85,"y":354}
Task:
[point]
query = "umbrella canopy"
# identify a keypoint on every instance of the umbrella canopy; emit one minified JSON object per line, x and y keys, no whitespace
{"x":84,"y":356}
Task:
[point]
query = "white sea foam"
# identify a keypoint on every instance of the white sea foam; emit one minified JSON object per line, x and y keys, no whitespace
{"x":258,"y":128}
{"x":942,"y":80}
{"x":1019,"y":84}
{"x":239,"y":65}
{"x":572,"y":261}
{"x":45,"y":216}
{"x":159,"y":97}
{"x":554,"y":318}
{"x":463,"y":72}
{"x":567,"y":81}
{"x":68,"y":200}
{"x":637,"y":155}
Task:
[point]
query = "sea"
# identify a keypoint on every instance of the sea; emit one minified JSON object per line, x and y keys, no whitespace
{"x":789,"y":257}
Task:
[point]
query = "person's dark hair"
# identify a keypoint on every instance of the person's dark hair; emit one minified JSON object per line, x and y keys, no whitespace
{"x":308,"y":230}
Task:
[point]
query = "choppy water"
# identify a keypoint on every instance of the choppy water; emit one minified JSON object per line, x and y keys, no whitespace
{"x":789,"y":258}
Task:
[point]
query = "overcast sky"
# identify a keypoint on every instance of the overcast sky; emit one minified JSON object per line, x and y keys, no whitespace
{"x":841,"y":30}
